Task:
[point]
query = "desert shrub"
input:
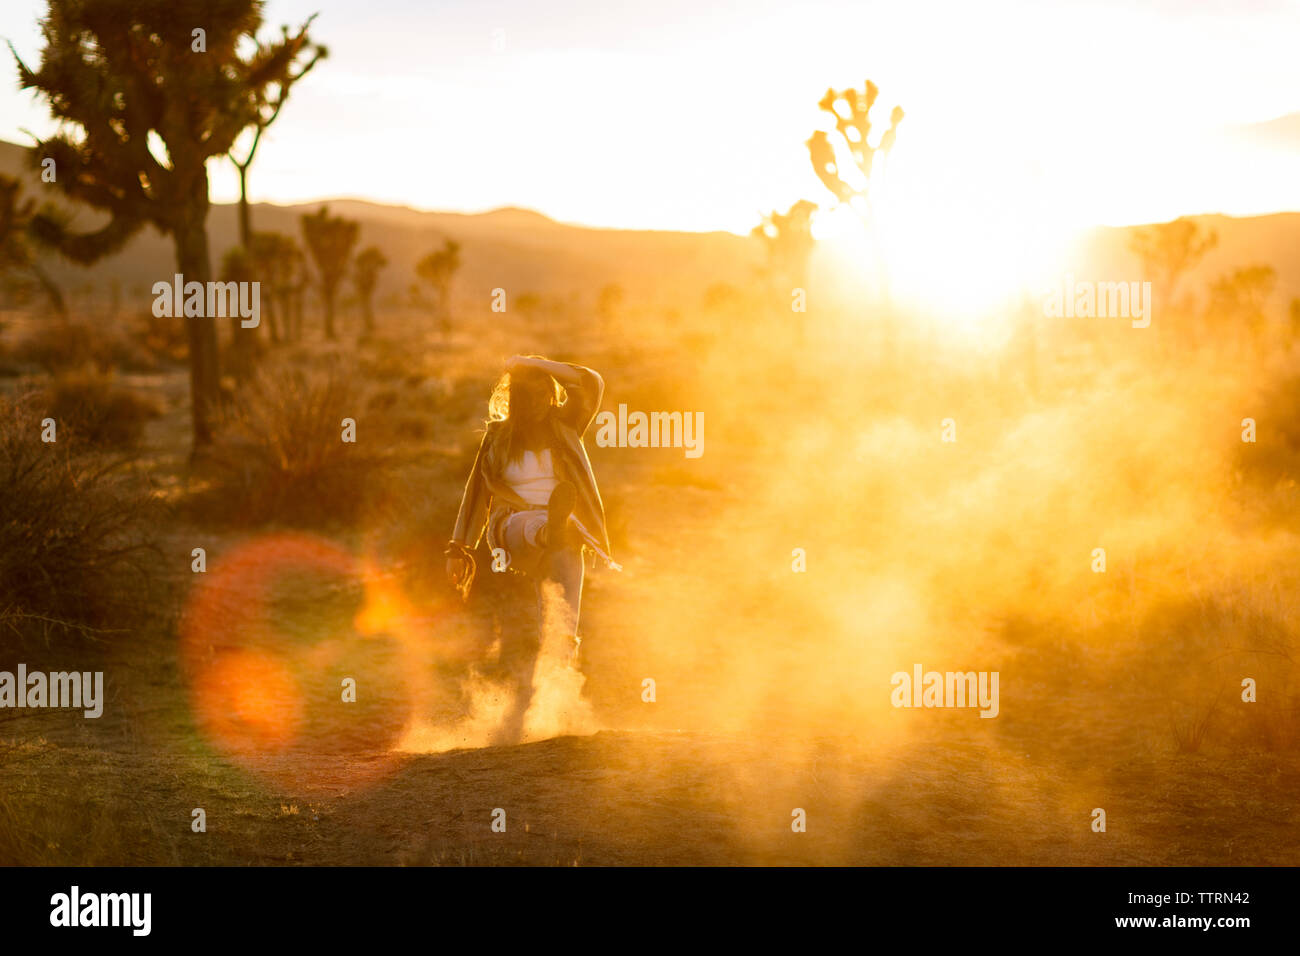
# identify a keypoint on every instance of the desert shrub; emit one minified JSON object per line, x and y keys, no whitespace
{"x":279,"y":456}
{"x":75,"y":552}
{"x":162,"y":337}
{"x":1275,"y":454}
{"x":63,"y":345}
{"x":90,"y":407}
{"x":1196,"y":651}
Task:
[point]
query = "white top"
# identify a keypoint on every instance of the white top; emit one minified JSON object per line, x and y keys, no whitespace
{"x":532,"y":477}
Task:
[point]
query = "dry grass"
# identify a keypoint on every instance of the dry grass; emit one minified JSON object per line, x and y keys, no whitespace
{"x":69,"y":344}
{"x":74,"y":535}
{"x":280,"y":454}
{"x":91,"y":407}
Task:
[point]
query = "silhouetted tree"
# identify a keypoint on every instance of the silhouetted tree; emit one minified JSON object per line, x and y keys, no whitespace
{"x":237,"y":266}
{"x":1242,"y":295}
{"x":265,"y":100}
{"x":789,"y":241}
{"x":438,"y":269}
{"x":18,"y":241}
{"x":850,"y":180}
{"x":298,"y":278}
{"x":329,"y":241}
{"x":851,"y":110}
{"x":145,"y":93}
{"x":1168,"y":250}
{"x":365,"y":276}
{"x":272,"y":263}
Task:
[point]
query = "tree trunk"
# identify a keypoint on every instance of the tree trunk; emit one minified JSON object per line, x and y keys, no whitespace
{"x":329,"y":316}
{"x":444,"y":307}
{"x":245,"y":219}
{"x":244,"y":339}
{"x":192,"y":259}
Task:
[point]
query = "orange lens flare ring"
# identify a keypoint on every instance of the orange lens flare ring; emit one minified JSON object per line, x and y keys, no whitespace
{"x":271,"y":635}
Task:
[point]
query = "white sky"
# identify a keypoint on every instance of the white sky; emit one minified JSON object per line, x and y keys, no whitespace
{"x":692,"y":114}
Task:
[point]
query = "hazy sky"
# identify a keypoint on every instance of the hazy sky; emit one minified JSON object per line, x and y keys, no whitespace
{"x":692,"y":114}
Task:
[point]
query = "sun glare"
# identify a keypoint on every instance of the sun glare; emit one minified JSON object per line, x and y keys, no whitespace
{"x":962,"y":266}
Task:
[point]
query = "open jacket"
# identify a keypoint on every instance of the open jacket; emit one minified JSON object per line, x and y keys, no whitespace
{"x":488,"y":500}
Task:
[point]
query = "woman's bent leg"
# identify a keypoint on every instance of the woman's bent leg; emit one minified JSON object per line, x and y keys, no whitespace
{"x":521,"y":537}
{"x":559,"y":594}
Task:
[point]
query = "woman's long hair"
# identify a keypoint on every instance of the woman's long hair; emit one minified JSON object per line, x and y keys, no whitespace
{"x":515,"y":393}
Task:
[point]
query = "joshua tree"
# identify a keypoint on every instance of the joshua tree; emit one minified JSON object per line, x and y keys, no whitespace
{"x":277,"y":262}
{"x":789,"y":241}
{"x":850,"y":182}
{"x":17,"y":240}
{"x":851,"y":110}
{"x":365,"y":275}
{"x":298,"y":278}
{"x":1169,"y":249}
{"x":329,"y":242}
{"x":145,"y":94}
{"x":438,"y":268}
{"x":267,"y":99}
{"x":237,"y":266}
{"x":271,"y":262}
{"x":1242,"y":295}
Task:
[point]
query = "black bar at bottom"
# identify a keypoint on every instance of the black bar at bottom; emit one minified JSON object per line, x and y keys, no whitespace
{"x":215,"y":905}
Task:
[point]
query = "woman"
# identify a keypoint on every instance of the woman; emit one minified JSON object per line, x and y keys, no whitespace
{"x":532,"y":489}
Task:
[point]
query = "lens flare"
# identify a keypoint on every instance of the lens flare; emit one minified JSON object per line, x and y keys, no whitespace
{"x":299,"y":659}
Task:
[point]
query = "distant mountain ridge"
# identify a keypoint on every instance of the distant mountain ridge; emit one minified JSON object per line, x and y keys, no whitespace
{"x":522,"y":250}
{"x":517,"y":249}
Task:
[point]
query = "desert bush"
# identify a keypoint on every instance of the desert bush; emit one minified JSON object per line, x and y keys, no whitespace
{"x":90,"y":407}
{"x":1275,"y":454}
{"x":1197,"y":649}
{"x":64,"y":345}
{"x":162,"y":337}
{"x":75,"y":551}
{"x":280,"y":457}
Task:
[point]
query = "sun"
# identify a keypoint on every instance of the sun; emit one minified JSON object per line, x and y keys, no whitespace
{"x":962,"y":266}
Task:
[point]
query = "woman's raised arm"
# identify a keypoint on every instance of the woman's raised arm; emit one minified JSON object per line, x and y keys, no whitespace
{"x":565,"y":373}
{"x":584,"y":386}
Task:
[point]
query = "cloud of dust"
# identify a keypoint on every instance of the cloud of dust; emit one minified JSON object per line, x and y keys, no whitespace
{"x":978,"y":554}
